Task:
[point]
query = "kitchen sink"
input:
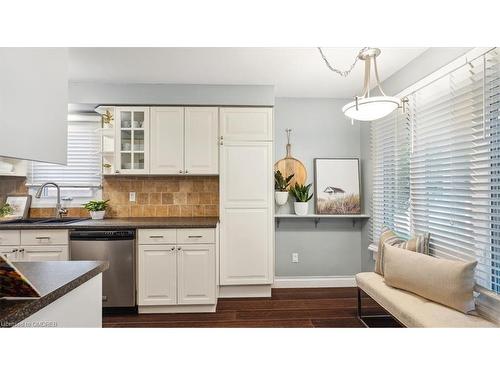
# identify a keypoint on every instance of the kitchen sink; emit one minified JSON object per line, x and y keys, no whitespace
{"x":46,"y":220}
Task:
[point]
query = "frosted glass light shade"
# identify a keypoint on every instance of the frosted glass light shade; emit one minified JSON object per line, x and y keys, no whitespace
{"x":370,"y":109}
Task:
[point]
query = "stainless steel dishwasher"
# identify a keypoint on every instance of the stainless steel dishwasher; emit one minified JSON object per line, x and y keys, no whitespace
{"x":118,"y":248}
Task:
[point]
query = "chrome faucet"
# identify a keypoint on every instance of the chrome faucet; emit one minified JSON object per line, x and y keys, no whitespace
{"x":60,"y":212}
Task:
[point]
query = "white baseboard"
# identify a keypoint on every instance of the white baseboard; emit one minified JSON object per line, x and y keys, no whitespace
{"x":244,"y":291}
{"x":314,"y":282}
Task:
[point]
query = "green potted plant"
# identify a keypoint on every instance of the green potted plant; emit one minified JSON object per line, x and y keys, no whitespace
{"x":5,"y":210}
{"x":280,"y":187}
{"x":97,"y":209}
{"x":301,"y":194}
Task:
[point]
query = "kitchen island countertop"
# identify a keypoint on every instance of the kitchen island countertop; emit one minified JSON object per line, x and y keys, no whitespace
{"x":53,"y":280}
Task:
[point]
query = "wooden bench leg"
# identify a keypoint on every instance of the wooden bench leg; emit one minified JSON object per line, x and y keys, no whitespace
{"x":360,"y":315}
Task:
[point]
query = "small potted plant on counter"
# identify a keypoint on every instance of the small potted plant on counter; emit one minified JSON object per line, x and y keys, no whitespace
{"x":97,"y":209}
{"x":5,"y":210}
{"x":301,"y":194}
{"x":280,"y":185}
{"x":107,"y":168}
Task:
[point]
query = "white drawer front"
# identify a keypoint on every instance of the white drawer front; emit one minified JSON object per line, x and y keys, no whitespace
{"x":157,"y":236}
{"x":196,"y":235}
{"x":44,"y":237}
{"x":9,"y":237}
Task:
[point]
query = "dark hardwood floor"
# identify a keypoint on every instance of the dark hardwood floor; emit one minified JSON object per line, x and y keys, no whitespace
{"x":305,"y":307}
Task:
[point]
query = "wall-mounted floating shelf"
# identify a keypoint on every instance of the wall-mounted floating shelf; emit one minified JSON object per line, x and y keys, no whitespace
{"x":317,"y":218}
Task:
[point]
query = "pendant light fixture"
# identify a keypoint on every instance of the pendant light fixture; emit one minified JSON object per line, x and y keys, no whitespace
{"x":366,"y":107}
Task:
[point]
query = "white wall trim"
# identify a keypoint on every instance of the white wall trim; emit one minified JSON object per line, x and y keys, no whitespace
{"x":447,"y":69}
{"x":314,"y":282}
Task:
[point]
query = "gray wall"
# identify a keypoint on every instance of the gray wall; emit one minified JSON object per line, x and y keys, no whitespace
{"x":319,"y":130}
{"x":162,"y":94}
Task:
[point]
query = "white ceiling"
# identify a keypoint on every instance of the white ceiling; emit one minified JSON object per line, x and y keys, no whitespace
{"x":295,"y":72}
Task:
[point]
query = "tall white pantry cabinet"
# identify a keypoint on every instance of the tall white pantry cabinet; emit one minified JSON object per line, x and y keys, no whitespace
{"x":246,"y":200}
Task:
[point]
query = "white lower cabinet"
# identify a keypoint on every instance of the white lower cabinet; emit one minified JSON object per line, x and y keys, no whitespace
{"x":246,"y":244}
{"x":35,"y":245}
{"x":43,"y":253}
{"x":157,"y":275}
{"x":173,"y":276}
{"x":196,"y":274}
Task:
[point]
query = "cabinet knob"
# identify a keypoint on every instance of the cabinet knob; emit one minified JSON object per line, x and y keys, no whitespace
{"x":21,"y":250}
{"x":173,"y":248}
{"x":181,"y":171}
{"x":117,"y":171}
{"x":179,"y":248}
{"x":14,"y":250}
{"x":186,"y":171}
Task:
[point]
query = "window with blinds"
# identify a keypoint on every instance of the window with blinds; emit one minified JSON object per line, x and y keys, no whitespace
{"x":390,"y":140}
{"x":453,"y":175}
{"x":81,"y":177}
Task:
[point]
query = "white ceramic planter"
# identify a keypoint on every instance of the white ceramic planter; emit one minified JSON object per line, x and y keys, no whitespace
{"x":300,"y":208}
{"x":97,"y":215}
{"x":281,"y":197}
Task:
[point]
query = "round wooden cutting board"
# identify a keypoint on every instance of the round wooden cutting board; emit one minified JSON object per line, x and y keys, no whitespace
{"x":289,"y":165}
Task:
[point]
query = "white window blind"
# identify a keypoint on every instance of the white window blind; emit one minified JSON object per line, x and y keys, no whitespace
{"x":81,"y":177}
{"x":390,"y":140}
{"x":454,"y":167}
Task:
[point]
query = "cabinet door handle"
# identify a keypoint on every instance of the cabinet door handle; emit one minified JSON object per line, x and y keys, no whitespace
{"x":21,"y":250}
{"x":155,"y":236}
{"x":43,"y":238}
{"x":179,"y":248}
{"x":14,"y":250}
{"x":172,"y":249}
{"x":195,"y":236}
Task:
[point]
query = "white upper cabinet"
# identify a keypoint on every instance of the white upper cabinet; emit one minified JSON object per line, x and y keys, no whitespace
{"x":34,"y":103}
{"x":132,"y":140}
{"x":167,"y":140}
{"x":201,"y":143}
{"x":246,"y":124}
{"x":184,"y":140}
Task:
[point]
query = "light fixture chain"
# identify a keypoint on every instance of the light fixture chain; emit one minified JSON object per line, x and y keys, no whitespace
{"x":343,"y":73}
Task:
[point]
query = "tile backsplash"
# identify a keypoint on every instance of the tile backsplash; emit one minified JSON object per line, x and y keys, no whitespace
{"x":162,"y":196}
{"x":158,"y":196}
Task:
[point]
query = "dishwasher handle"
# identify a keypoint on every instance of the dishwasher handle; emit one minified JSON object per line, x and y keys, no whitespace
{"x":102,"y":235}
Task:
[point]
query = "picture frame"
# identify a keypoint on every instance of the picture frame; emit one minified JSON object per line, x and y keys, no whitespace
{"x":337,"y":186}
{"x":20,"y":204}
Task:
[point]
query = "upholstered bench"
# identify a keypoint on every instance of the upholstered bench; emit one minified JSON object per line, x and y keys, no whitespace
{"x":410,"y":309}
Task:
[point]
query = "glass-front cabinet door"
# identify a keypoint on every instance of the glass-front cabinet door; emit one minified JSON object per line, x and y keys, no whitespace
{"x":132,"y":140}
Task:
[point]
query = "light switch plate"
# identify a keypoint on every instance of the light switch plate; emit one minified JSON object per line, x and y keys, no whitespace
{"x":295,"y":257}
{"x":131,"y":196}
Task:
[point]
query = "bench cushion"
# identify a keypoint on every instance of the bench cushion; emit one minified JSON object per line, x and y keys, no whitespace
{"x":412,"y":310}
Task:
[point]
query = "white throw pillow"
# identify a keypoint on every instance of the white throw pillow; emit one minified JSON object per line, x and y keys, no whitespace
{"x":448,"y":282}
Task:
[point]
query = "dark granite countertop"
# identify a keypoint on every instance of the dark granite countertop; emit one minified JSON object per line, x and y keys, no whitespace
{"x":53,"y":280}
{"x":130,"y":222}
